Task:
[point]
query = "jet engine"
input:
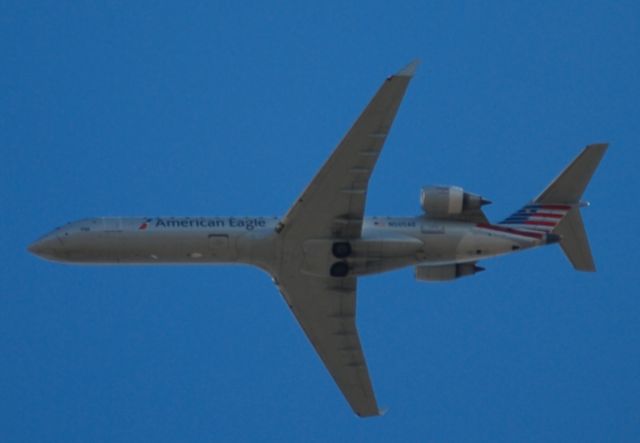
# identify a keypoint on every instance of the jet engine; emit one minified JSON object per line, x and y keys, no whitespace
{"x":446,"y":272}
{"x":443,"y":201}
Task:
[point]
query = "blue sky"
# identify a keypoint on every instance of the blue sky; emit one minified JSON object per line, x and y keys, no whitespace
{"x":204,"y":108}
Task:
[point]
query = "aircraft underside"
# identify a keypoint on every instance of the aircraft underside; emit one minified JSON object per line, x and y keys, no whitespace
{"x":386,"y":243}
{"x":318,"y":249}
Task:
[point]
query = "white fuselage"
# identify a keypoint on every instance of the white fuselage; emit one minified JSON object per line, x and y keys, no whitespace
{"x":386,"y":243}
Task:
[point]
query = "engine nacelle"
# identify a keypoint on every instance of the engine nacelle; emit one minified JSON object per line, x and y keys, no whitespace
{"x":446,"y":272}
{"x":443,"y":201}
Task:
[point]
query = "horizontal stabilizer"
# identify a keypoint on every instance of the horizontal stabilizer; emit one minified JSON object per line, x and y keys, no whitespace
{"x":574,"y":242}
{"x":569,"y":186}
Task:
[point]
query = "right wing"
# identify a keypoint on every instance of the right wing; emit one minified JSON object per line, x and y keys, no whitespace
{"x":326,"y":310}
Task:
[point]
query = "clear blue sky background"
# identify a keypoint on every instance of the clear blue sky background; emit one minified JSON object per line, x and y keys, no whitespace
{"x":204,"y":108}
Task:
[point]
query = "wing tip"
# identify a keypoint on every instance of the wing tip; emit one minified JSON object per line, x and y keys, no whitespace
{"x":371,"y":409}
{"x":602,"y":147}
{"x":409,"y":70}
{"x":373,"y":413}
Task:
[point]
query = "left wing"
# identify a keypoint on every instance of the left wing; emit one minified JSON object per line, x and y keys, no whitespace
{"x":332,"y":205}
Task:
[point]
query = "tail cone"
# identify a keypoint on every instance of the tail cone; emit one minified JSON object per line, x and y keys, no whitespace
{"x":553,"y":238}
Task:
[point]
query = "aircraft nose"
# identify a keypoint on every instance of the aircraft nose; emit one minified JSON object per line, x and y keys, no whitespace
{"x":48,"y":246}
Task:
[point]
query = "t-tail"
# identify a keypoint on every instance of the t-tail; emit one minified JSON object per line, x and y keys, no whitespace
{"x":556,"y":211}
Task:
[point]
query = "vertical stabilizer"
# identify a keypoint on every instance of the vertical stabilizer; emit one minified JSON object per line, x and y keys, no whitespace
{"x":568,"y":188}
{"x":557,"y":209}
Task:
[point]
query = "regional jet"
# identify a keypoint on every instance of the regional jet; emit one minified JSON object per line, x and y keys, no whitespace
{"x":317,"y":251}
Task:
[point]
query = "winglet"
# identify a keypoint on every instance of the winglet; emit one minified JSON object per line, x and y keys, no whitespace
{"x":408,"y":70}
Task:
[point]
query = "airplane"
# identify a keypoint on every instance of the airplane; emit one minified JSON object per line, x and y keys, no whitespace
{"x":317,"y":251}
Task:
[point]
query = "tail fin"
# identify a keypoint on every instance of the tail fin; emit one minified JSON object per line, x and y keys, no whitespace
{"x":557,"y":209}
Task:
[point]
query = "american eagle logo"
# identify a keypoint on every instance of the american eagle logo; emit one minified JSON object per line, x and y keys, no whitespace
{"x":145,"y":224}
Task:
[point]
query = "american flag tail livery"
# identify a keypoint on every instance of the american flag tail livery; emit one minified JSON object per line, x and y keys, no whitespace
{"x":556,"y":211}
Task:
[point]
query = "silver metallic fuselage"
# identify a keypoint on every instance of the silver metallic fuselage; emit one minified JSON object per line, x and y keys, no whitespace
{"x":317,"y":249}
{"x":387,"y":243}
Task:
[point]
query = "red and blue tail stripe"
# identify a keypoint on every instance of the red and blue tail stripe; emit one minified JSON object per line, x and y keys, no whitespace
{"x":538,"y":217}
{"x":519,"y":232}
